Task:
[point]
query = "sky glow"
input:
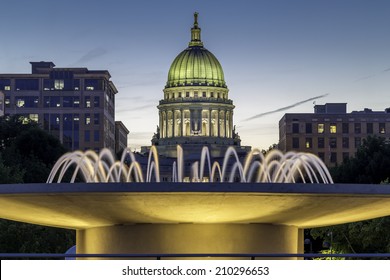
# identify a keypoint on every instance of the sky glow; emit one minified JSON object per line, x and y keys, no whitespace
{"x":274,"y":53}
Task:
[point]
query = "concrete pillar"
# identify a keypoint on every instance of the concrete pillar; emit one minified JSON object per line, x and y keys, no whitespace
{"x":190,"y":238}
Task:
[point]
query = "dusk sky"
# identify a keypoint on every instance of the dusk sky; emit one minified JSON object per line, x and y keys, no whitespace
{"x":274,"y":53}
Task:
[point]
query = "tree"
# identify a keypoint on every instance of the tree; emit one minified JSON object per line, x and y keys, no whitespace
{"x":371,"y":165}
{"x":27,"y":154}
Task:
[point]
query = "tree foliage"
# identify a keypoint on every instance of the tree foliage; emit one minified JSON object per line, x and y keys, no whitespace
{"x":371,"y":165}
{"x":27,"y":154}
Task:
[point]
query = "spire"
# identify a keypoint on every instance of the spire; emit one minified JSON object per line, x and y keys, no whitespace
{"x":195,"y":33}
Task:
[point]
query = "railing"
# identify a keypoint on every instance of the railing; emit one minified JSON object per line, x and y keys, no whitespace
{"x":160,"y":256}
{"x":196,"y":99}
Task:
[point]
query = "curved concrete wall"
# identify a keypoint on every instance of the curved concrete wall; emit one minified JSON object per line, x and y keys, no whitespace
{"x":190,"y":239}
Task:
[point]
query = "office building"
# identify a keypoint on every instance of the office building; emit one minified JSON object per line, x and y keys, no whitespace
{"x":330,"y":132}
{"x":74,"y":104}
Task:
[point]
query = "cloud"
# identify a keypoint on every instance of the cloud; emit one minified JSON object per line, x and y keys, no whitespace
{"x":286,"y":108}
{"x":91,"y":55}
{"x":372,"y":76}
{"x":365,"y":78}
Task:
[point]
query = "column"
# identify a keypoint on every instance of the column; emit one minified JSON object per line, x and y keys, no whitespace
{"x":166,"y":123}
{"x":218,"y":125}
{"x":182,"y":122}
{"x":209,"y":122}
{"x":173,"y":122}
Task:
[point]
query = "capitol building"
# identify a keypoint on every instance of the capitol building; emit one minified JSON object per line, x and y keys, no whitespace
{"x":196,"y":110}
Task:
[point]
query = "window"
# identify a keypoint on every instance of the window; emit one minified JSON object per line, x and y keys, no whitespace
{"x":93,"y":84}
{"x":67,"y":101}
{"x":345,"y":155}
{"x":59,"y":84}
{"x":321,"y":128}
{"x":346,"y":128}
{"x":309,"y":128}
{"x":295,"y":143}
{"x":87,"y":136}
{"x":332,"y":128}
{"x":5,"y":84}
{"x":358,"y":142}
{"x":321,"y":142}
{"x":204,"y":94}
{"x":26,"y":101}
{"x":96,"y":118}
{"x":187,"y":94}
{"x":345,"y":142}
{"x":87,"y":119}
{"x":195,"y":94}
{"x":19,"y":103}
{"x":370,"y":128}
{"x":52,"y":101}
{"x":27,"y":84}
{"x":96,"y":101}
{"x":76,"y":84}
{"x":295,"y":128}
{"x":358,"y":128}
{"x":87,"y":103}
{"x":76,"y":102}
{"x":33,"y":117}
{"x":333,"y":142}
{"x":382,"y":129}
{"x":7,"y":103}
{"x":308,"y":143}
{"x":321,"y":155}
{"x":96,"y":136}
{"x":333,"y":157}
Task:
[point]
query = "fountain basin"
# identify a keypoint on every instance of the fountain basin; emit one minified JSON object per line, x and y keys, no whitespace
{"x":81,"y":205}
{"x":206,"y":218}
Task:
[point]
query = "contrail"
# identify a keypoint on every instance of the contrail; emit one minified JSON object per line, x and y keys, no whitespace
{"x":287,"y":107}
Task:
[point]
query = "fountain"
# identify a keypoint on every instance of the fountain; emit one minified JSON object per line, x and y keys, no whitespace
{"x":272,"y":168}
{"x":121,"y":209}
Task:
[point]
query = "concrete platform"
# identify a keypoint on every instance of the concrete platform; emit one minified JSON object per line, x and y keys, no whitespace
{"x":203,"y":218}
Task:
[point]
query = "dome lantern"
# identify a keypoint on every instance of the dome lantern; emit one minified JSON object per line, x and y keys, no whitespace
{"x":195,"y":33}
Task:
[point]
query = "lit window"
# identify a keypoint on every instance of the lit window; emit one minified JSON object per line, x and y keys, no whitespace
{"x":34,"y":117}
{"x":308,"y":143}
{"x":382,"y":129}
{"x":7,"y":87}
{"x":87,"y":119}
{"x":89,"y":88}
{"x":321,"y":128}
{"x":332,"y":128}
{"x":20,"y":103}
{"x":58,"y":84}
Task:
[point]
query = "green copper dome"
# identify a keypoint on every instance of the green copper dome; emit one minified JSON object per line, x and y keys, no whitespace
{"x":195,"y":65}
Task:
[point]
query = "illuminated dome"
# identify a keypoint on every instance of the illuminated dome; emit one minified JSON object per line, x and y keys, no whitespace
{"x":195,"y":65}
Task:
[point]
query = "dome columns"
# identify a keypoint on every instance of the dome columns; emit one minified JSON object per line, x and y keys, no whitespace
{"x":203,"y":121}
